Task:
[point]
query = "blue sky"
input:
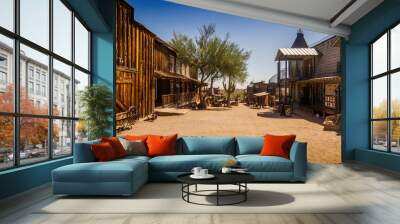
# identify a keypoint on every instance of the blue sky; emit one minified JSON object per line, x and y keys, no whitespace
{"x":261,"y":38}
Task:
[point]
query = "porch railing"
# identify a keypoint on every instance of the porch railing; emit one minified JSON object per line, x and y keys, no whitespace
{"x":178,"y":100}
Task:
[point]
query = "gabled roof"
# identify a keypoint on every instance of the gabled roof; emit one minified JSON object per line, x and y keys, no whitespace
{"x":295,"y":53}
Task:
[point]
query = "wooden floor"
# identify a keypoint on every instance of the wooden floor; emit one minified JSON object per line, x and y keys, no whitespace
{"x":378,"y":189}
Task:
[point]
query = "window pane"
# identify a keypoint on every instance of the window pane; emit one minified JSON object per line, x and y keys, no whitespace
{"x":62,"y":29}
{"x":379,"y":135}
{"x":395,"y":94}
{"x":35,"y":21}
{"x":81,"y":131}
{"x":395,"y":47}
{"x":34,"y":72}
{"x":62,"y":89}
{"x":81,"y":45}
{"x":379,"y":97}
{"x":81,"y":81}
{"x":379,"y":55}
{"x":6,"y":142}
{"x":33,"y":140}
{"x":62,"y":138}
{"x":395,"y":136}
{"x":6,"y":74}
{"x":7,"y":14}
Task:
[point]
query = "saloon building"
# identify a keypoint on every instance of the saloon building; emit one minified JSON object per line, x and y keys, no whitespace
{"x":310,"y":77}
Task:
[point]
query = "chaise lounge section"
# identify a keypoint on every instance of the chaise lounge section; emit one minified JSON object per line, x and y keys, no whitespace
{"x":125,"y":176}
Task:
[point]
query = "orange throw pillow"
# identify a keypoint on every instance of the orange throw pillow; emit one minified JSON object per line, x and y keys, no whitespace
{"x":116,"y":145}
{"x":277,"y":145}
{"x":161,"y":145}
{"x":136,"y":137}
{"x":103,"y":152}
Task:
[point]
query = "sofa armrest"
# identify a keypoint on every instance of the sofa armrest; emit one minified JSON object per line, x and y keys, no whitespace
{"x":83,"y":152}
{"x":298,"y":155}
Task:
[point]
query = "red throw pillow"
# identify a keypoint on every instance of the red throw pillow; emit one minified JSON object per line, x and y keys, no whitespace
{"x":136,"y":137}
{"x":161,"y":145}
{"x":277,"y":145}
{"x":103,"y":152}
{"x":116,"y":145}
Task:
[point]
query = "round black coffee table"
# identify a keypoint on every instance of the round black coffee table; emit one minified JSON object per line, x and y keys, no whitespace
{"x":238,"y":179}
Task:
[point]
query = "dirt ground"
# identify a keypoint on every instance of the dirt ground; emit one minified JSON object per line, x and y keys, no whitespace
{"x":323,"y":146}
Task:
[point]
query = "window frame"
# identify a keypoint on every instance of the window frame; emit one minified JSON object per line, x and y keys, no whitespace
{"x":16,"y":114}
{"x":388,"y":74}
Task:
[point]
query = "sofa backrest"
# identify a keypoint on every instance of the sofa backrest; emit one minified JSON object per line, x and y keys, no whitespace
{"x":249,"y":145}
{"x":206,"y":145}
{"x":83,"y":152}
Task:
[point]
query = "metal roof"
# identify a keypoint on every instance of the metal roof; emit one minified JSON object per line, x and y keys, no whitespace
{"x":295,"y":53}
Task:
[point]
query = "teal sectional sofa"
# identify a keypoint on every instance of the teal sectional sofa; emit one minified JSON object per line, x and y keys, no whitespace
{"x":125,"y":176}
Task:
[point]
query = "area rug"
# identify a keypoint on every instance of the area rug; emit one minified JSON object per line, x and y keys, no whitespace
{"x":166,"y":198}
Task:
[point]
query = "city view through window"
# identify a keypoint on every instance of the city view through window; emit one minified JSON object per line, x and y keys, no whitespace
{"x":39,"y":113}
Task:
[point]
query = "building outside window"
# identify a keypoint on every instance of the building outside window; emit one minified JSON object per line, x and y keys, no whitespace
{"x":57,"y":123}
{"x":385,"y":94}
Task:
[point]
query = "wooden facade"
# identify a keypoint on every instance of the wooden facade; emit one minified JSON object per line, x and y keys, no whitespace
{"x":312,"y":81}
{"x":175,"y":85}
{"x":135,"y":63}
{"x":146,"y":68}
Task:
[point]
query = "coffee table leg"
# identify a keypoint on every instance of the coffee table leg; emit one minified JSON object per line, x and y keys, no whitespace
{"x":217,"y":194}
{"x":245,"y":193}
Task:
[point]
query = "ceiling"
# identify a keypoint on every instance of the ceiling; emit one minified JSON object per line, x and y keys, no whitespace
{"x":327,"y":16}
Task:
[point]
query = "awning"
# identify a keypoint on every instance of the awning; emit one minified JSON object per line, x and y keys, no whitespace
{"x":295,"y":53}
{"x":167,"y":75}
{"x":261,"y":94}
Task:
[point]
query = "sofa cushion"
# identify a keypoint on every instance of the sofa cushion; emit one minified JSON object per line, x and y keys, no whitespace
{"x":206,"y":145}
{"x":103,"y":152}
{"x":257,"y":163}
{"x":116,"y":145}
{"x":136,"y":147}
{"x":275,"y":145}
{"x":249,"y":145}
{"x":112,"y":171}
{"x":161,"y":145}
{"x":185,"y":163}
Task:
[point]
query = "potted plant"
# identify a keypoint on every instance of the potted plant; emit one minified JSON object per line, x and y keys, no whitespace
{"x":96,"y":104}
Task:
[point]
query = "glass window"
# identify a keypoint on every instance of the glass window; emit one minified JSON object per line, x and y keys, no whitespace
{"x":6,"y":142}
{"x":62,"y":29}
{"x":81,"y":45}
{"x":62,"y":72}
{"x":6,"y":75}
{"x":62,"y":138}
{"x":7,"y":14}
{"x":385,"y":94}
{"x":33,"y":139}
{"x":81,"y":131}
{"x":379,"y":135}
{"x":395,"y":94}
{"x":379,"y":98}
{"x":35,"y":143}
{"x":34,"y":21}
{"x":379,"y":56}
{"x":81,"y":82}
{"x":395,"y":47}
{"x":40,"y":62}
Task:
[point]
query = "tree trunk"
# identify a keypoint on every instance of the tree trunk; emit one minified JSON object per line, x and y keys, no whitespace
{"x":212,"y":86}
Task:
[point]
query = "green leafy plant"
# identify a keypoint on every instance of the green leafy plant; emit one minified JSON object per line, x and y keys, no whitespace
{"x":96,"y":104}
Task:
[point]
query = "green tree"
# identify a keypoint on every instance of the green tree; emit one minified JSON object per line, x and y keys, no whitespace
{"x":233,"y":67}
{"x":96,"y":102}
{"x":203,"y":53}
